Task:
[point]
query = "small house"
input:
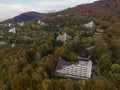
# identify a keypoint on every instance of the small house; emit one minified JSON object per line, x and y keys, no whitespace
{"x":41,"y":22}
{"x":91,"y":47}
{"x":9,"y":24}
{"x":12,"y":30}
{"x":59,"y":15}
{"x":2,"y":42}
{"x":13,"y":45}
{"x":21,"y":23}
{"x":100,"y":30}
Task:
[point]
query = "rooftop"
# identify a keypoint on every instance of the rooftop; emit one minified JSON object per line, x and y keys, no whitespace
{"x":62,"y":63}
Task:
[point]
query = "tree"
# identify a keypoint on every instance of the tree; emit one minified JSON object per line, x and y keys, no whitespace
{"x":60,"y":84}
{"x":60,"y":52}
{"x":49,"y":64}
{"x":115,"y":48}
{"x":30,"y":55}
{"x":17,"y":82}
{"x":115,"y":68}
{"x":72,"y":57}
{"x":105,"y":63}
{"x":47,"y":84}
{"x":101,"y":47}
{"x":69,"y":85}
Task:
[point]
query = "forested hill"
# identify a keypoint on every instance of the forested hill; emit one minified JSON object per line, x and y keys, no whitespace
{"x":24,"y":17}
{"x":97,"y":6}
{"x":29,"y":53}
{"x":99,"y":10}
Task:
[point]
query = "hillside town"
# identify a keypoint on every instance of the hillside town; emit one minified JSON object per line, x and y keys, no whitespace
{"x":74,"y":49}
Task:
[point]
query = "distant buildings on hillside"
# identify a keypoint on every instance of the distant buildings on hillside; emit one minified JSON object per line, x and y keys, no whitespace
{"x":21,"y":23}
{"x":8,"y":25}
{"x":41,"y":22}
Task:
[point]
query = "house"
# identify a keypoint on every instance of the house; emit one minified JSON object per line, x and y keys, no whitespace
{"x":1,"y":36}
{"x":90,"y":24}
{"x":100,"y":30}
{"x":59,"y":15}
{"x":13,"y":30}
{"x":63,"y":37}
{"x":9,"y":24}
{"x":41,"y":22}
{"x":21,"y":23}
{"x":119,"y":40}
{"x":5,"y":25}
{"x":80,"y":70}
{"x":2,"y":42}
{"x":13,"y":45}
{"x":88,"y":33}
{"x":97,"y":34}
{"x":91,"y":47}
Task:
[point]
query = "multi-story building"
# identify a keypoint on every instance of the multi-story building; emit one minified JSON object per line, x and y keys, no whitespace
{"x":81,"y":69}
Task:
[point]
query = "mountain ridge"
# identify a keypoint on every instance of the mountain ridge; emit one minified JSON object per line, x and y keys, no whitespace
{"x":24,"y":17}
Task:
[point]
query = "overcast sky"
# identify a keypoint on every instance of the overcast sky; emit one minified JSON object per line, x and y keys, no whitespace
{"x":11,"y":8}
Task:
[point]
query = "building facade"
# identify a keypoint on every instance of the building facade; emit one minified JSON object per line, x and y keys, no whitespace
{"x":81,"y":69}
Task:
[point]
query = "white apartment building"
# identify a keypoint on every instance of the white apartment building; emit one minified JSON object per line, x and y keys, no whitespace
{"x":81,"y":69}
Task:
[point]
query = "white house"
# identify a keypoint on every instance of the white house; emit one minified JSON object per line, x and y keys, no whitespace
{"x":13,"y":45}
{"x":80,"y":70}
{"x":1,"y":36}
{"x":13,"y":30}
{"x":91,"y":47}
{"x":41,"y":22}
{"x":59,"y":15}
{"x":99,"y":30}
{"x":119,"y":40}
{"x":63,"y":37}
{"x":2,"y":42}
{"x":9,"y":24}
{"x":21,"y":23}
{"x":90,"y":24}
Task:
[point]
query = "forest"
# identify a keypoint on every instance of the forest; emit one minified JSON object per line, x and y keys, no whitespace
{"x":30,"y":64}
